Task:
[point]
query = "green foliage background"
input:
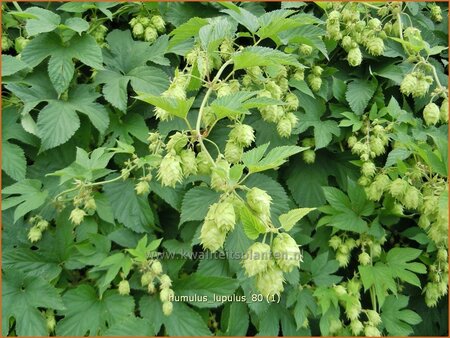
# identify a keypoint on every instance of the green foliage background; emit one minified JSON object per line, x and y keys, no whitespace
{"x":80,"y":83}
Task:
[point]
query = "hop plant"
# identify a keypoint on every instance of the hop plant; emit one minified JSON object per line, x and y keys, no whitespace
{"x":156,"y":268}
{"x":220,"y":175}
{"x":373,"y":317}
{"x":159,"y":23}
{"x":270,"y":282}
{"x":34,"y":234}
{"x":286,"y":252}
{"x":77,"y":216}
{"x":211,"y":237}
{"x":233,"y":152}
{"x":124,"y":287}
{"x":412,"y":198}
{"x":167,"y":308}
{"x":431,"y":114}
{"x":305,"y":50}
{"x":284,"y":127}
{"x":375,"y":46}
{"x":224,"y":216}
{"x":20,"y":43}
{"x":292,"y":102}
{"x":309,"y":156}
{"x":188,"y":162}
{"x":257,"y":259}
{"x":409,"y":84}
{"x":150,"y":34}
{"x":242,"y":134}
{"x":259,"y":200}
{"x":142,"y":187}
{"x":443,"y":110}
{"x":170,"y":172}
{"x":354,"y":57}
{"x":315,"y":82}
{"x":203,"y":164}
{"x":398,"y":188}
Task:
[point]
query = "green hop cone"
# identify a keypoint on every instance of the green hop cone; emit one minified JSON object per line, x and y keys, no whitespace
{"x":138,"y":30}
{"x":272,"y":113}
{"x":299,"y":74}
{"x":159,"y":23}
{"x":20,"y":43}
{"x":211,"y":237}
{"x":356,"y":327}
{"x":203,"y":164}
{"x":368,"y":169}
{"x":150,"y":34}
{"x":352,"y":307}
{"x":305,"y":50}
{"x":347,"y":42}
{"x":224,"y":216}
{"x":373,"y":317}
{"x":284,"y":127}
{"x":157,"y":268}
{"x":375,"y":46}
{"x":242,"y":134}
{"x":443,"y":110}
{"x":167,"y":308}
{"x":371,"y":331}
{"x":335,"y":242}
{"x":165,"y":281}
{"x":274,"y":89}
{"x":374,"y":24}
{"x":162,"y":114}
{"x":409,"y":84}
{"x":309,"y":156}
{"x":233,"y":152}
{"x":257,"y":259}
{"x":166,"y":295}
{"x":124,"y":288}
{"x":6,"y":43}
{"x":34,"y":234}
{"x":147,"y":278}
{"x":50,"y":320}
{"x":142,"y":187}
{"x":270,"y":282}
{"x":354,"y":57}
{"x":431,"y":114}
{"x":398,"y":188}
{"x":286,"y":252}
{"x":364,"y":258}
{"x":315,"y":82}
{"x":177,"y":142}
{"x":423,"y":86}
{"x":317,"y":70}
{"x":412,"y":198}
{"x":226,"y":48}
{"x":188,"y":162}
{"x":292,"y":102}
{"x":42,"y":225}
{"x":353,"y":287}
{"x":77,"y":216}
{"x":259,"y":200}
{"x":436,"y":13}
{"x":169,"y":171}
{"x":220,"y":175}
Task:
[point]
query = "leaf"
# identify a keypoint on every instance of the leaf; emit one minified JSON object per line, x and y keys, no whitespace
{"x":205,"y":286}
{"x":130,"y":209}
{"x":274,"y":158}
{"x":262,"y":56}
{"x":78,"y":25}
{"x":291,"y":218}
{"x":22,"y":296}
{"x":301,"y":86}
{"x":231,"y":105}
{"x":379,"y":276}
{"x":43,"y":21}
{"x":395,"y":155}
{"x":236,"y":321}
{"x":196,"y":203}
{"x":126,"y":63}
{"x":252,"y":225}
{"x":184,"y":321}
{"x":396,"y":318}
{"x":186,"y":30}
{"x":60,"y":67}
{"x":275,"y":22}
{"x":358,"y":94}
{"x":14,"y":161}
{"x":175,"y":106}
{"x":89,"y":314}
{"x":242,"y":16}
{"x":30,"y":197}
{"x":11,"y":65}
{"x":131,"y":326}
{"x":323,"y":130}
{"x":398,"y":259}
{"x":322,"y":269}
{"x":31,"y":263}
{"x":311,"y":35}
{"x":212,"y":34}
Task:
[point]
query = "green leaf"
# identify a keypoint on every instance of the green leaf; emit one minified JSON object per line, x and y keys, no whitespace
{"x":14,"y":161}
{"x":323,"y":129}
{"x":126,"y":63}
{"x":60,"y":67}
{"x":252,"y":225}
{"x":212,"y":34}
{"x":22,"y":296}
{"x":308,"y":34}
{"x":275,"y":22}
{"x":175,"y":106}
{"x":380,"y":277}
{"x":43,"y":21}
{"x":399,"y":260}
{"x":131,"y":326}
{"x":322,"y":270}
{"x":78,"y":25}
{"x":186,"y":30}
{"x":235,"y":319}
{"x":130,"y":209}
{"x":231,"y":105}
{"x":31,"y":263}
{"x":359,"y":93}
{"x":274,"y":158}
{"x":87,"y":314}
{"x":30,"y":197}
{"x":242,"y":16}
{"x":184,"y":321}
{"x":262,"y":56}
{"x":196,"y":203}
{"x":291,"y":218}
{"x":301,"y":86}
{"x":396,"y":318}
{"x":205,"y":286}
{"x":11,"y":65}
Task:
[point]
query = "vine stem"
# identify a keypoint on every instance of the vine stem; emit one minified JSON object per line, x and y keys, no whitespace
{"x":17,"y":6}
{"x":202,"y":108}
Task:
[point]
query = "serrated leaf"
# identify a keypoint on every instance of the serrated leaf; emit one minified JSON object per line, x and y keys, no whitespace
{"x":275,"y":158}
{"x":231,"y":105}
{"x":196,"y":203}
{"x":130,"y":209}
{"x":14,"y":163}
{"x":242,"y":16}
{"x":131,"y":326}
{"x":30,"y":197}
{"x":185,"y":321}
{"x":175,"y":106}
{"x":262,"y":56}
{"x":289,"y":219}
{"x":78,"y":25}
{"x":186,"y":31}
{"x":12,"y":65}
{"x":399,"y":260}
{"x":212,"y":34}
{"x":396,"y":318}
{"x":89,"y":314}
{"x":379,"y":276}
{"x":43,"y":21}
{"x":252,"y":225}
{"x":22,"y":296}
{"x":397,"y":154}
{"x":358,"y":94}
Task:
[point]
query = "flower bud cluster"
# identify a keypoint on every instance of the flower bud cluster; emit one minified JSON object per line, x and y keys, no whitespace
{"x":416,"y":84}
{"x":437,"y":287}
{"x":84,"y":204}
{"x":177,"y":89}
{"x":240,"y":137}
{"x":7,"y":43}
{"x":309,"y":155}
{"x":147,"y":27}
{"x":99,"y":33}
{"x":39,"y":225}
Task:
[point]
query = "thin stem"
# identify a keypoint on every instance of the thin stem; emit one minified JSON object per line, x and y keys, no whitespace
{"x":215,"y":145}
{"x":202,"y":108}
{"x":109,"y":181}
{"x":399,"y":19}
{"x":369,"y":5}
{"x":17,"y":6}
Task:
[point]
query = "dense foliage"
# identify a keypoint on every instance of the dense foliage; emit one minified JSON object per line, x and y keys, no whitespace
{"x":229,"y":169}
